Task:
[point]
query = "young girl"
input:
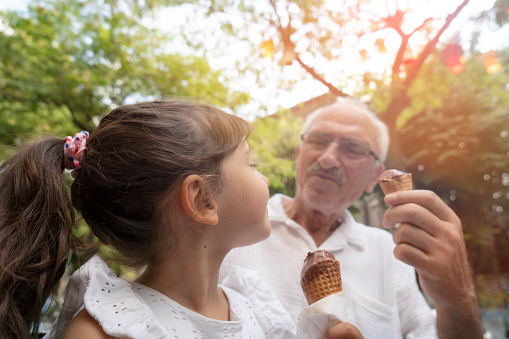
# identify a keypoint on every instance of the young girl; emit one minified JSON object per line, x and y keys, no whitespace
{"x":172,"y":187}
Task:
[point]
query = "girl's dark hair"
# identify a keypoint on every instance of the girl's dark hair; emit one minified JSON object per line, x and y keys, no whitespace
{"x":135,"y":161}
{"x":138,"y":155}
{"x":36,"y":223}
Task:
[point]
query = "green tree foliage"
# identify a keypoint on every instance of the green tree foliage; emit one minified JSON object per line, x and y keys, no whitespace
{"x":273,"y":142}
{"x":458,"y":147}
{"x":63,"y":64}
{"x":501,"y":12}
{"x":327,"y":28}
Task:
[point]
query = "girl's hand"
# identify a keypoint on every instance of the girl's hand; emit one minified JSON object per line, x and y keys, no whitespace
{"x":343,"y":331}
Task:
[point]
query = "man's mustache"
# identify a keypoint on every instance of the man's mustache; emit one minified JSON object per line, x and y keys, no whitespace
{"x":335,"y":172}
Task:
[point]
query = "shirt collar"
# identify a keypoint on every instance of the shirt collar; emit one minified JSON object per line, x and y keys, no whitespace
{"x":343,"y":235}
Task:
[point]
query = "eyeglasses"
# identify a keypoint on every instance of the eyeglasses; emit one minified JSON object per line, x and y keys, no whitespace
{"x":350,"y":148}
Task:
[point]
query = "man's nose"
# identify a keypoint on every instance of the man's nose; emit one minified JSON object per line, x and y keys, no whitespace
{"x":330,"y":156}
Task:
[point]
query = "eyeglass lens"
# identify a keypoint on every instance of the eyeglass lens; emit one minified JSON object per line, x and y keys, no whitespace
{"x":350,"y":148}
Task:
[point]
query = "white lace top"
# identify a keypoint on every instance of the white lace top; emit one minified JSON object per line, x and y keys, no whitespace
{"x":130,"y":309}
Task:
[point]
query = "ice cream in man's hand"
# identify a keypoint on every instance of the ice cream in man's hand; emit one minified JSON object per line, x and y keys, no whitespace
{"x":320,"y":276}
{"x":394,"y":180}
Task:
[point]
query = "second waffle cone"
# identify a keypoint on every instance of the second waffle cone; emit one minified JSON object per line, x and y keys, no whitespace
{"x":322,"y":279}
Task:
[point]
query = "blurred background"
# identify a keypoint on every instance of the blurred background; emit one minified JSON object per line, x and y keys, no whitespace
{"x":435,"y":71}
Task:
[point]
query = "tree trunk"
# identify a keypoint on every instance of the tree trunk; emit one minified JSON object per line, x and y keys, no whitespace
{"x":395,"y":158}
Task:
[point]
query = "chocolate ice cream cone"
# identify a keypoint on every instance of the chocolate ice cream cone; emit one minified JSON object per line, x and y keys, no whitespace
{"x":393,"y":180}
{"x":321,"y":276}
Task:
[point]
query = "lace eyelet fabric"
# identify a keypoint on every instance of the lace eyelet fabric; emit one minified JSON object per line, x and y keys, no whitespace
{"x":125,"y":308}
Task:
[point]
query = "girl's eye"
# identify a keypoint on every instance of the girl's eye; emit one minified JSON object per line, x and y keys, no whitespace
{"x":254,"y":165}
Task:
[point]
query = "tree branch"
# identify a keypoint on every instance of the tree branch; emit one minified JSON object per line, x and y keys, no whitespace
{"x":280,"y":26}
{"x":320,"y":78}
{"x":401,"y":51}
{"x":285,"y":37}
{"x":399,"y":58}
{"x":421,"y":26}
{"x":431,"y":45}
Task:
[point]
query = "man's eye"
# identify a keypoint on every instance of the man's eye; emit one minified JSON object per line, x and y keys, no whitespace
{"x":318,"y":142}
{"x":354,"y":149}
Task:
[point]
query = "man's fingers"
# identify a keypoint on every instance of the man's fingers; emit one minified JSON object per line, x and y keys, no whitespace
{"x":415,"y":237}
{"x":431,"y":256}
{"x":427,"y":199}
{"x":414,"y":214}
{"x":411,"y":255}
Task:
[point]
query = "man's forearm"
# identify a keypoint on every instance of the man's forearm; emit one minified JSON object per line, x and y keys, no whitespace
{"x":459,"y":321}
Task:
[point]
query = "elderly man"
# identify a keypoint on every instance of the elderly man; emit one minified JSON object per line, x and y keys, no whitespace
{"x":339,"y":158}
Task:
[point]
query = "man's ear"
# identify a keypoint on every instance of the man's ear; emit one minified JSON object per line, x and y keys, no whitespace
{"x":196,"y":202}
{"x":374,"y":181}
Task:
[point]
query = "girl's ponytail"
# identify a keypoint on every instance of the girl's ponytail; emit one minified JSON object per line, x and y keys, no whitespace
{"x":36,"y":230}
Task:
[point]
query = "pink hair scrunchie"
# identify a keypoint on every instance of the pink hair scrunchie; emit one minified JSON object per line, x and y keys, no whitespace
{"x":74,"y":152}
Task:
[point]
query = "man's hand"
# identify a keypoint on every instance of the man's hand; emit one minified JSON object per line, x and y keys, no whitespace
{"x":430,"y":239}
{"x":343,"y":331}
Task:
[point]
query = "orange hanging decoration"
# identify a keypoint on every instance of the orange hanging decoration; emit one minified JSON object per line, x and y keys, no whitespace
{"x":381,"y":45}
{"x":364,"y":55}
{"x":491,"y":63}
{"x":452,"y":54}
{"x":268,"y":49}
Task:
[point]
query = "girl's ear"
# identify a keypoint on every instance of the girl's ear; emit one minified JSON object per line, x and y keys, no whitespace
{"x":196,"y":202}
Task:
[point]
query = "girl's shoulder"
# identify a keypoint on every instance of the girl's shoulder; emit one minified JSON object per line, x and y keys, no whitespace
{"x":84,"y":326}
{"x":109,"y":300}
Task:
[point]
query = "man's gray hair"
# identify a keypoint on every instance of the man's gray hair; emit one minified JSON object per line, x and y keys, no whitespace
{"x":382,"y":137}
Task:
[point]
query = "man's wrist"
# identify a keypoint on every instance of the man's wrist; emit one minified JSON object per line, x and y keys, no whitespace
{"x":460,"y":320}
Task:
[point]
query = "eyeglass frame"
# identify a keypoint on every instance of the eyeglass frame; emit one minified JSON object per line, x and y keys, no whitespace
{"x":303,"y":136}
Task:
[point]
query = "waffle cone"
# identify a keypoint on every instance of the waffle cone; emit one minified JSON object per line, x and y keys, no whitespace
{"x":325,"y":283}
{"x":391,"y":182}
{"x":395,"y":186}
